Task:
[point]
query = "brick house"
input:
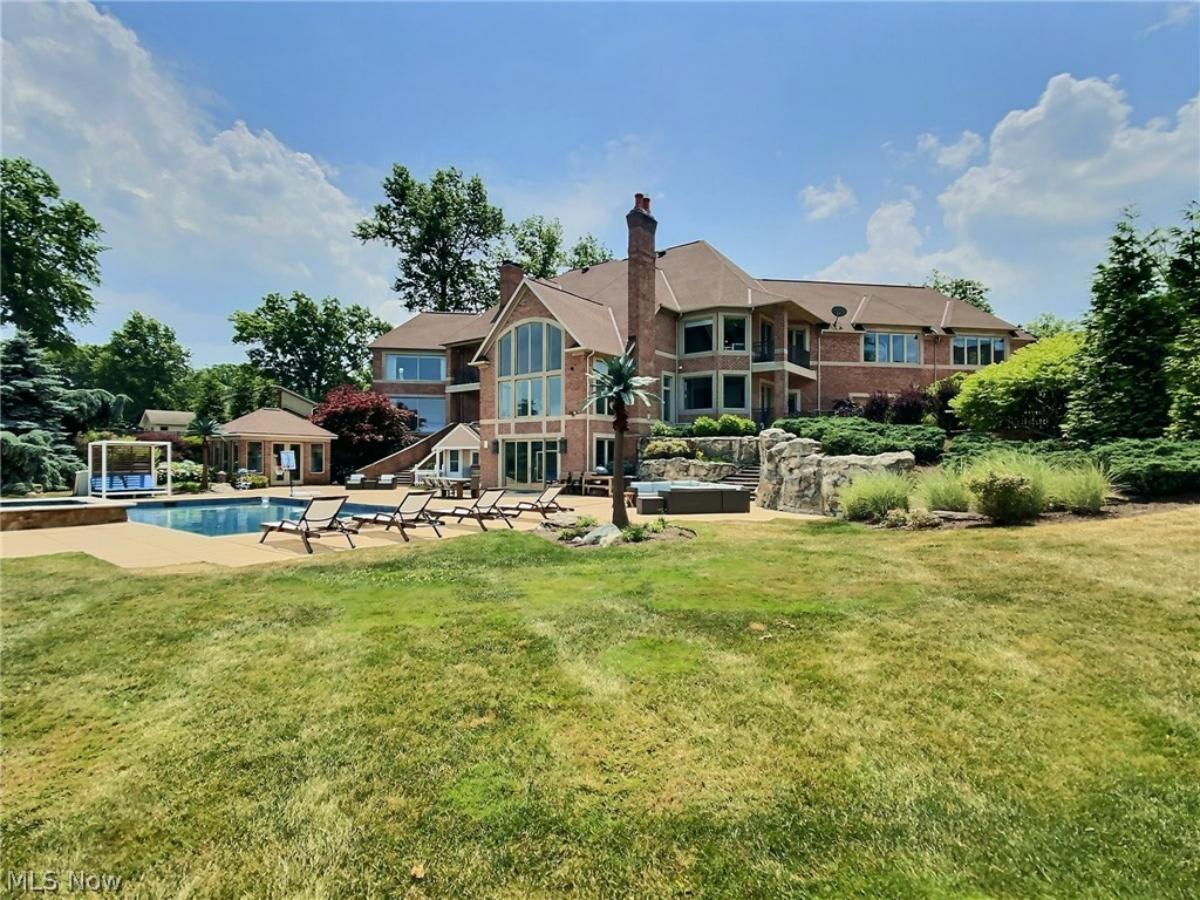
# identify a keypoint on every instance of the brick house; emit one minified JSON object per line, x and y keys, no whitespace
{"x":716,"y":340}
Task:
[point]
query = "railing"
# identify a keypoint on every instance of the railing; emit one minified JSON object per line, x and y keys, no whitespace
{"x":469,"y":375}
{"x":763,"y":352}
{"x":763,"y":417}
{"x":798,"y":356}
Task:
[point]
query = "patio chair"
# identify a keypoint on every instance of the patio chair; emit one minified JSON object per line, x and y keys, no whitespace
{"x":387,"y":482}
{"x":410,"y":513}
{"x":355,"y":482}
{"x":486,"y":506}
{"x":568,"y":483}
{"x":320,"y":516}
{"x":545,"y":503}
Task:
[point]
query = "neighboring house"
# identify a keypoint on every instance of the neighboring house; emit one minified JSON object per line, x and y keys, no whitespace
{"x":714,"y":338}
{"x":255,"y":441}
{"x":169,"y":421}
{"x":295,"y":403}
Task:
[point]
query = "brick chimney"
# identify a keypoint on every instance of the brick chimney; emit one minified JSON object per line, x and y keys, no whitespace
{"x":641,"y":309}
{"x":510,"y":278}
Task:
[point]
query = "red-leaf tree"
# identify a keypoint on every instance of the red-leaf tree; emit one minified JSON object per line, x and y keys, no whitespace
{"x":368,"y":426}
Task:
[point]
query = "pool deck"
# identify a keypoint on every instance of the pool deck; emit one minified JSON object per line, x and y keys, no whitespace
{"x":133,"y":545}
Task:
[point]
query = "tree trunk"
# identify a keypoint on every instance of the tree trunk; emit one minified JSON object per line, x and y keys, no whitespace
{"x":204,"y":465}
{"x":619,"y":517}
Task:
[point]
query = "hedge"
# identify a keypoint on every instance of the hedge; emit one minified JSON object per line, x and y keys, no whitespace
{"x":1152,"y":466}
{"x":844,"y":435}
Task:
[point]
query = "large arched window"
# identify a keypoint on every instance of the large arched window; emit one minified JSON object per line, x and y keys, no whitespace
{"x":529,"y":367}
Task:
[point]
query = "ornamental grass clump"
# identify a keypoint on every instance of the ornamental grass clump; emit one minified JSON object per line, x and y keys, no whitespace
{"x":869,"y":497}
{"x":1079,"y":488}
{"x":942,"y":489}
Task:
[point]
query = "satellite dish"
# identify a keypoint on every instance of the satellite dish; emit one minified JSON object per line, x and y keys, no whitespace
{"x":838,"y":312}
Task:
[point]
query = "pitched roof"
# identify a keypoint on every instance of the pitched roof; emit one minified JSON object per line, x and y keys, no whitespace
{"x":272,"y":422}
{"x":169,"y":416}
{"x":427,"y":330}
{"x":886,"y":304}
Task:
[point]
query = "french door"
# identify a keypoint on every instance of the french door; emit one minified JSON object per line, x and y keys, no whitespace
{"x":279,"y":475}
{"x":530,"y":463}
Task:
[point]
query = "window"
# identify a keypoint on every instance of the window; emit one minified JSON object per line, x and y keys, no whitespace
{"x":698,"y":392}
{"x":530,"y":462}
{"x":431,"y":411}
{"x":970,"y":350}
{"x":733,"y":331}
{"x":668,"y":397}
{"x":254,"y":457}
{"x":601,"y":406}
{"x":698,"y":336}
{"x":604,"y":454}
{"x":733,"y":391}
{"x":528,"y":350}
{"x":415,"y":367}
{"x":883,"y":347}
{"x":316,"y":458}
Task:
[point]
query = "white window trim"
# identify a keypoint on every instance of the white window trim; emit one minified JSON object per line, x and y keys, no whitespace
{"x":668,"y":415}
{"x":966,"y":365}
{"x":711,"y":321}
{"x":543,"y":375}
{"x":683,"y":379}
{"x":389,"y":368}
{"x":746,"y":331}
{"x":745,"y":376}
{"x":862,"y":355}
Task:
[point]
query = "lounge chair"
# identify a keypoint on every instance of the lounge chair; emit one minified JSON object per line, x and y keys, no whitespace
{"x":486,"y":506}
{"x":545,"y":503}
{"x":320,"y":516}
{"x":409,"y":514}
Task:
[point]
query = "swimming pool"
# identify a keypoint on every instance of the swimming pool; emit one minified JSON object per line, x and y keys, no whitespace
{"x":241,"y":515}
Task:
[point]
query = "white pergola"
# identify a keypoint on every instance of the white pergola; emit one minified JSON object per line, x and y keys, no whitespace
{"x":108,"y":475}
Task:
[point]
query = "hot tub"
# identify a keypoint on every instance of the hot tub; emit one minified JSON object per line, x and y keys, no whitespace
{"x":687,"y":497}
{"x":20,"y":513}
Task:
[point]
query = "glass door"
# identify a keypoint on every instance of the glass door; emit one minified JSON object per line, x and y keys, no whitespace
{"x":279,"y":475}
{"x":530,"y":464}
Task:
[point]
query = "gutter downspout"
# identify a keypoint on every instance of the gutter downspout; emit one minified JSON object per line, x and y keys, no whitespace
{"x":819,"y":368}
{"x":589,"y":463}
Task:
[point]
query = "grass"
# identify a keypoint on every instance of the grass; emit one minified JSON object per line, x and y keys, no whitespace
{"x":869,"y":496}
{"x":939,"y":488}
{"x":769,"y":709}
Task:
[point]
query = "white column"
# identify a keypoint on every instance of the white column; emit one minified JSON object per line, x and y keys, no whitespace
{"x":169,"y":492}
{"x":104,"y":469}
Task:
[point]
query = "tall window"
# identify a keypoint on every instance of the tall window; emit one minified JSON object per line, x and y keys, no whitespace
{"x":733,"y":392}
{"x":527,"y":354}
{"x":698,"y":336}
{"x":668,"y":397}
{"x":733,"y":331}
{"x":530,"y":462}
{"x":601,"y":406}
{"x":698,"y":392}
{"x":972,"y":350}
{"x":886,"y":347}
{"x":414,"y":367}
{"x":254,"y":457}
{"x":316,"y":458}
{"x":605,"y":448}
{"x":431,"y":411}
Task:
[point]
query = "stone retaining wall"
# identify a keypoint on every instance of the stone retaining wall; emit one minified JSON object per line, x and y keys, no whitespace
{"x":680,"y":469}
{"x":741,"y":451}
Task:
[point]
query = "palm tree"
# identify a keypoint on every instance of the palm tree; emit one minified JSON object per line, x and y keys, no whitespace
{"x":620,"y":386}
{"x":204,"y":428}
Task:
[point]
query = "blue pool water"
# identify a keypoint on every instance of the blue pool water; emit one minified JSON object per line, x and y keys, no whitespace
{"x":240,"y":516}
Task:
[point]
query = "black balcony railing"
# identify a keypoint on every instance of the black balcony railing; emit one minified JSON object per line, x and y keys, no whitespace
{"x":763,"y":352}
{"x":763,"y":417}
{"x":469,"y":375}
{"x":798,"y":356}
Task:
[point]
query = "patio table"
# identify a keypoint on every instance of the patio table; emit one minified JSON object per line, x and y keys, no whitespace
{"x":603,"y":482}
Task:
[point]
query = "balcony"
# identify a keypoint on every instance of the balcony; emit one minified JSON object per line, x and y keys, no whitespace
{"x":765,"y":353}
{"x":798,"y":356}
{"x":467,"y":375}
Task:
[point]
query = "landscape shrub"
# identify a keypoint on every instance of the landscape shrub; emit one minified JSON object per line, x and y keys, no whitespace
{"x":1155,"y":467}
{"x":182,"y":471}
{"x":177,"y":442}
{"x":257,"y":482}
{"x":971,"y":445}
{"x":909,"y":407}
{"x":842,"y":435}
{"x":1006,"y":498}
{"x":668,"y":448}
{"x":1079,"y":488}
{"x":659,"y":428}
{"x":845,"y":408}
{"x":1026,"y":394}
{"x":940,"y":393}
{"x":869,"y":497}
{"x":730,"y":425}
{"x":705,"y":426}
{"x":877,"y":407}
{"x":942,"y":489}
{"x":582,"y":526}
{"x":913,"y":519}
{"x":635,"y":534}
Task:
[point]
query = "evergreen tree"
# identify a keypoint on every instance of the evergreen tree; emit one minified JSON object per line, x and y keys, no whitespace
{"x":1121,"y":391}
{"x":34,"y":400}
{"x":209,"y":395}
{"x":248,"y":390}
{"x":1183,"y":360}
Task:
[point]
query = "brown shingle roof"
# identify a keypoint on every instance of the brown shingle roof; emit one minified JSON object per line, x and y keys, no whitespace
{"x":429,"y":330}
{"x":271,"y":422}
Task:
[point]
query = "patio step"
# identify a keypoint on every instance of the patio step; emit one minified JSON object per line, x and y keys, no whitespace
{"x":745,"y":477}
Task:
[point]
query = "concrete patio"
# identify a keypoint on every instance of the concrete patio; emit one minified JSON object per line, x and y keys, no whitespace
{"x":134,"y":545}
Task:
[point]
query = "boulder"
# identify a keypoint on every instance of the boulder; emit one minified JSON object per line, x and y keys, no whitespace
{"x":601,"y":535}
{"x":797,"y":477}
{"x":680,"y":469}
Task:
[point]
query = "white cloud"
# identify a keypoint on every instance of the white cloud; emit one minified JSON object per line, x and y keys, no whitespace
{"x":951,"y":156}
{"x":179,"y":195}
{"x":1179,"y":14}
{"x":822,"y":202}
{"x":1042,"y":202}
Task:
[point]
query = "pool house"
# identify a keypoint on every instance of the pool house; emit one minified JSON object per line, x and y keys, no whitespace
{"x":258,"y":441}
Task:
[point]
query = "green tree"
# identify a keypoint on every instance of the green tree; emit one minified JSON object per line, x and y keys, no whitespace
{"x":51,"y":255}
{"x":1183,"y":358}
{"x":968,"y":290}
{"x":206,"y":429}
{"x":1047,"y":325}
{"x":536,"y":245}
{"x":617,"y":385}
{"x":1121,"y":391}
{"x":587,"y":251}
{"x":445,"y":232}
{"x":144,"y":360}
{"x":209,"y":395}
{"x":248,"y":390}
{"x":34,"y":401}
{"x":307,"y":346}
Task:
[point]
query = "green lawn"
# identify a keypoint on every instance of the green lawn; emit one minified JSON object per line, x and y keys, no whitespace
{"x":987,"y":713}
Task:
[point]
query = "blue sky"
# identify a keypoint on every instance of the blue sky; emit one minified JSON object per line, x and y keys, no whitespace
{"x":229,"y":148}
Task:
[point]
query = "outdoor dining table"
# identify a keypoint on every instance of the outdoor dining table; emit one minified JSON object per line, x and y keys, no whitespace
{"x":459,"y":484}
{"x":598,"y":481}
